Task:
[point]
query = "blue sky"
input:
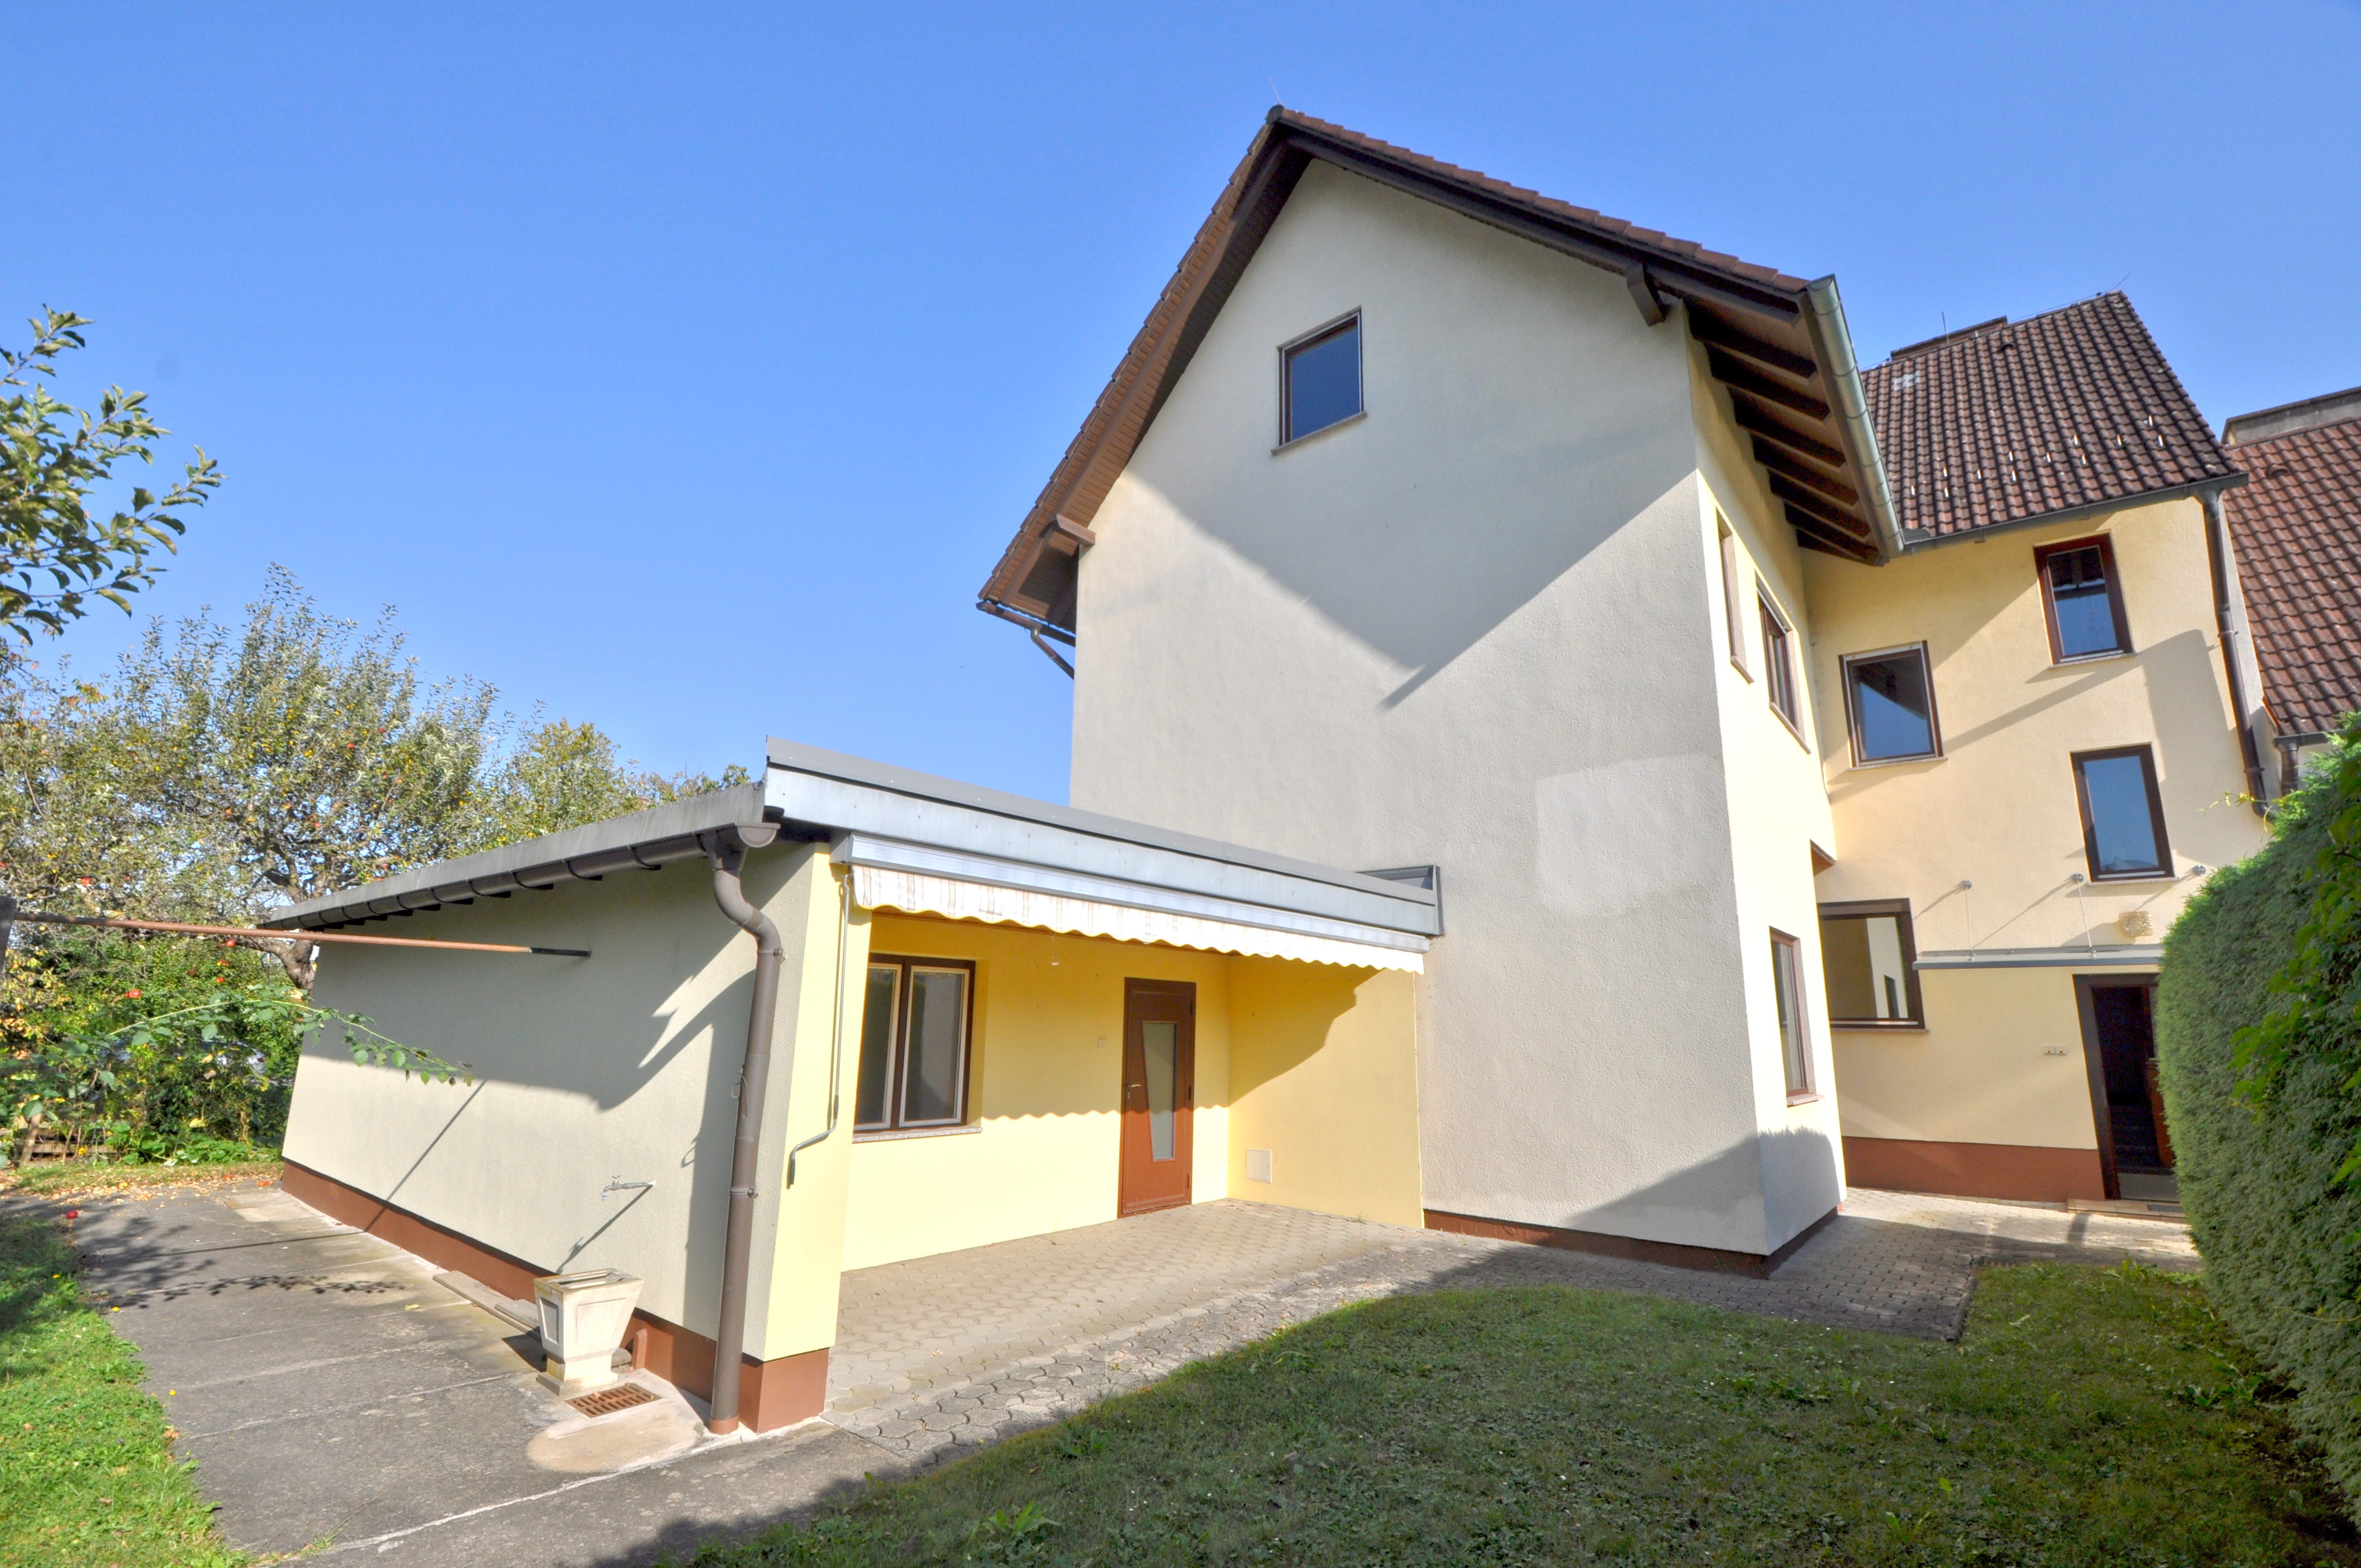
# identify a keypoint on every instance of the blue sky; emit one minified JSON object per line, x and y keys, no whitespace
{"x":687,"y":372}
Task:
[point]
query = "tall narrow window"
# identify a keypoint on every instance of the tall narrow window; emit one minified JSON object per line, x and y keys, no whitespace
{"x":1320,"y":380}
{"x":1868,"y":959}
{"x":1794,"y":1047}
{"x":2123,"y":814}
{"x":1733,"y":599}
{"x":1890,"y":699}
{"x":2084,"y":599}
{"x":916,"y":1025}
{"x":1779,"y":666}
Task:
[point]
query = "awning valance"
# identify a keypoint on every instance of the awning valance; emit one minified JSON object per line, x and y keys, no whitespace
{"x":916,"y":893}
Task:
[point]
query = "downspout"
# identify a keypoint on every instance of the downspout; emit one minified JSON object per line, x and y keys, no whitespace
{"x":727,"y":852}
{"x":2217,"y":555}
{"x":1852,"y":410}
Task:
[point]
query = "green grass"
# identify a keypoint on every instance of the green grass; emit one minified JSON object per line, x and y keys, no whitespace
{"x":87,"y":1475}
{"x":69,"y":1177}
{"x":2089,"y":1417}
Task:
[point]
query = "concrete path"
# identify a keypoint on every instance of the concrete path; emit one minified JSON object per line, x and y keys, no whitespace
{"x":337,"y":1398}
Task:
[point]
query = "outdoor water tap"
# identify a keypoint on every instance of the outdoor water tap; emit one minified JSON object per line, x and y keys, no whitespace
{"x":619,"y":1185}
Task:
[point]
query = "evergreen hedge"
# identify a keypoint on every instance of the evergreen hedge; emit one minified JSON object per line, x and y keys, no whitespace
{"x":2260,"y":1039}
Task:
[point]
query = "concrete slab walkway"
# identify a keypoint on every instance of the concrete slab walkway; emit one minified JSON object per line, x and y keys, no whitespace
{"x":337,"y":1398}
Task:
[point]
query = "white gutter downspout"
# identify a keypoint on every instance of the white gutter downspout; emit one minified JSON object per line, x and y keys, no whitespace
{"x":1853,"y":411}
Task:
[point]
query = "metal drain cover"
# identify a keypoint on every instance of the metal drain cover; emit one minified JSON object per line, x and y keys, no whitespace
{"x":607,"y":1401}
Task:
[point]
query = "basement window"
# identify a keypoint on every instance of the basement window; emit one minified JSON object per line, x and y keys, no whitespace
{"x":1890,"y":700}
{"x":2123,"y":814}
{"x":917,"y":1029}
{"x":1868,"y":958}
{"x":1320,"y":380}
{"x":2084,"y":598}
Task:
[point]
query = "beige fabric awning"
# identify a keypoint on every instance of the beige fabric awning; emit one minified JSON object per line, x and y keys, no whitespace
{"x":879,"y":887}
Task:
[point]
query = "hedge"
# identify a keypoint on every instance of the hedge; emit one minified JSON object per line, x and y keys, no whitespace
{"x":2258,"y":1048}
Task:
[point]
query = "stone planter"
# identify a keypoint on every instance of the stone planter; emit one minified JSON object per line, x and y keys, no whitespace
{"x":582,"y":1320}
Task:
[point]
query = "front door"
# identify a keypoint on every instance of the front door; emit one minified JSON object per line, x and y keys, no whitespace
{"x":2119,"y":1042}
{"x":1159,"y":1089}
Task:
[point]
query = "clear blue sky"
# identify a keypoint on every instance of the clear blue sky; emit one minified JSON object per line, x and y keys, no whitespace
{"x":686,"y":369}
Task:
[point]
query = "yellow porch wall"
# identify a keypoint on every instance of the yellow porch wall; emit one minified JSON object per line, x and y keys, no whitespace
{"x":1047,"y":1071}
{"x":1981,"y":1074}
{"x":1324,"y":1073}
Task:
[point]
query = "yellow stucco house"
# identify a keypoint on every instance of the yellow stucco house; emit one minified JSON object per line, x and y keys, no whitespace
{"x":1806,"y":758}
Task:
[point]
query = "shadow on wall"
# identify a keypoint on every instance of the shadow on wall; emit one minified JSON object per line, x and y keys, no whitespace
{"x":1282,"y":1028}
{"x":1728,"y":1196}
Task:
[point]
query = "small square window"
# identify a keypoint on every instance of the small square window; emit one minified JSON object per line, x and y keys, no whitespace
{"x":1795,"y":1045}
{"x":1320,"y":380}
{"x":2123,"y":814}
{"x":1890,"y":699}
{"x":1869,"y":958}
{"x":916,"y":1027}
{"x":1779,"y":666}
{"x":2084,"y":600}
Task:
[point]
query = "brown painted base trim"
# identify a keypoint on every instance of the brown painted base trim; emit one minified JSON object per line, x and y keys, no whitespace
{"x":771,"y":1394}
{"x":1712,"y":1259}
{"x":1974,"y":1171}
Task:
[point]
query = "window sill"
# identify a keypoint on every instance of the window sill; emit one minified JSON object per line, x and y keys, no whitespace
{"x":1744,"y":674}
{"x":895,"y":1134}
{"x":1876,"y":1026}
{"x":2121,"y":879}
{"x":1790,"y":726}
{"x":1899,"y":762}
{"x":1350,"y":419}
{"x":2090,"y":658}
{"x":1806,"y":1098}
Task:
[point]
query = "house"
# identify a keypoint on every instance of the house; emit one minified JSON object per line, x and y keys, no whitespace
{"x":1811,"y":754}
{"x":2297,"y":527}
{"x":1560,"y":752}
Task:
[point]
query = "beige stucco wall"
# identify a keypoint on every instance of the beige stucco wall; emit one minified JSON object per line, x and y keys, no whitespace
{"x":1324,"y":1075}
{"x":1999,"y":809}
{"x":622,"y":1065}
{"x":1474,"y":628}
{"x":1047,"y":1093}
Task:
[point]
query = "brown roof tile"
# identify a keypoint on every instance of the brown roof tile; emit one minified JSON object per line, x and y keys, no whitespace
{"x":2015,"y":420}
{"x":2296,"y":526}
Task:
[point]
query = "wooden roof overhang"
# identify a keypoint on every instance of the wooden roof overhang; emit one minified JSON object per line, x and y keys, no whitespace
{"x":1775,"y":345}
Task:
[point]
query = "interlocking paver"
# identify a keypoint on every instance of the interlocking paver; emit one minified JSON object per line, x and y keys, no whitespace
{"x":938,"y":1355}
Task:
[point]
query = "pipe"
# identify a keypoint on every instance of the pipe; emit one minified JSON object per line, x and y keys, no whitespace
{"x":728,"y":854}
{"x":836,"y":1029}
{"x":2218,"y":557}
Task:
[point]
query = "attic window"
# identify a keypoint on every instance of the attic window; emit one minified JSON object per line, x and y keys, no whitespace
{"x":1320,"y":380}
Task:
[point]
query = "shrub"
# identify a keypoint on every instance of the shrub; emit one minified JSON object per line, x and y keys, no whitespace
{"x":2259,"y":1049}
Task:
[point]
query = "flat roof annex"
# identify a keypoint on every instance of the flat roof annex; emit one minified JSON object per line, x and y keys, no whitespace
{"x":879,"y":814}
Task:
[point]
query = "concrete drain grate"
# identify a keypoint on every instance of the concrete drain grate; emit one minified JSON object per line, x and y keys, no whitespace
{"x":607,"y":1401}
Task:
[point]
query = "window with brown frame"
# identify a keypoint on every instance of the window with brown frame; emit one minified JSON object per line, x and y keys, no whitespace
{"x":1890,"y":702}
{"x":1733,"y":615}
{"x":1320,"y":380}
{"x":1779,"y":666}
{"x":1795,"y":1045}
{"x":2083,"y":599}
{"x":1869,"y":964}
{"x":917,"y":1028}
{"x":2123,"y":814}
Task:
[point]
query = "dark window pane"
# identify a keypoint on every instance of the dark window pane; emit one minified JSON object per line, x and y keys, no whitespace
{"x":1862,"y":956}
{"x":876,"y":1046}
{"x":2081,"y":603}
{"x":2122,"y":829}
{"x":1323,"y":381}
{"x":1890,"y":705}
{"x":937,"y":1046}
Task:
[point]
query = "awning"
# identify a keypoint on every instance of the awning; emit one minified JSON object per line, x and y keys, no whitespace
{"x":916,"y":892}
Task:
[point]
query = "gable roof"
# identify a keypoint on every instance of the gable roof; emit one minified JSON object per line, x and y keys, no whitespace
{"x":2297,"y":530}
{"x":1775,"y":341}
{"x":2008,"y":423}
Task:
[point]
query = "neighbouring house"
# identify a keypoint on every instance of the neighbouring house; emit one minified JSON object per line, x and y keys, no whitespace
{"x":2297,"y":525}
{"x":1560,"y":752}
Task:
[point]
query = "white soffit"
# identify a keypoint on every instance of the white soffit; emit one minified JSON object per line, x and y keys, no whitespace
{"x":917,"y":892}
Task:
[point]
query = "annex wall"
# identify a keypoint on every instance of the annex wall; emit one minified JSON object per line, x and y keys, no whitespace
{"x":618,"y":1067}
{"x":1465,"y":629}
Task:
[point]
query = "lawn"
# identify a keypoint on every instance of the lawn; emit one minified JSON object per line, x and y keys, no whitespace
{"x":87,"y":1475}
{"x":2087,"y":1417}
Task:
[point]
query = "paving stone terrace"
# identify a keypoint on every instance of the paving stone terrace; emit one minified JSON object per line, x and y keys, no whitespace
{"x":939,"y":1355}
